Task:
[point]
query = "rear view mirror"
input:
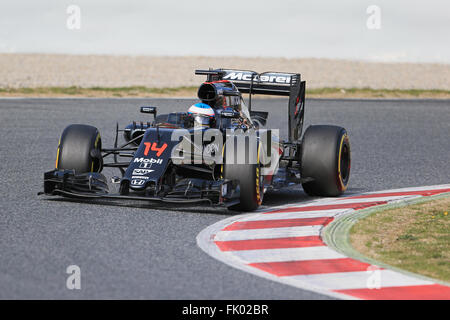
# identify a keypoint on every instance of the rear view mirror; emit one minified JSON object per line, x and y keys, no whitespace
{"x":148,"y":109}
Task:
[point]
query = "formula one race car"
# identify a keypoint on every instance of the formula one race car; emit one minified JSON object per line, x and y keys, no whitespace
{"x":218,"y":152}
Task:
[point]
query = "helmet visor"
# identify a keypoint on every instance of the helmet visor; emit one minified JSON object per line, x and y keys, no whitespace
{"x":201,"y":120}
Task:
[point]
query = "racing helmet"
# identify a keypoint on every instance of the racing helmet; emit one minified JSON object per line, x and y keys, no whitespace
{"x":202,"y":115}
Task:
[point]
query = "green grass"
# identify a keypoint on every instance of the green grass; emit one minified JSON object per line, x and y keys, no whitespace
{"x":414,"y":238}
{"x":141,"y":91}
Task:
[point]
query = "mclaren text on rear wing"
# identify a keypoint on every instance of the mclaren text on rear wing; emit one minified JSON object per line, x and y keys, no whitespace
{"x":273,"y":83}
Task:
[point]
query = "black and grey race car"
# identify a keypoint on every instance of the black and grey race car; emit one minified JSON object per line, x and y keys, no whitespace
{"x":231,"y":162}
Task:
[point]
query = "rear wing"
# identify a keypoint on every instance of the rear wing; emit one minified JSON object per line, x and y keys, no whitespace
{"x":268,"y":83}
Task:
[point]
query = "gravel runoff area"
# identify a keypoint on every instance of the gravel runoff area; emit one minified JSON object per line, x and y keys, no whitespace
{"x":49,"y":70}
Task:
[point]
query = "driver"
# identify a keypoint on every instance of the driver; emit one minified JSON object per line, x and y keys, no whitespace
{"x":203,"y":115}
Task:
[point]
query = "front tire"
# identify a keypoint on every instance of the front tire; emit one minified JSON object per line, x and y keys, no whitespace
{"x":326,"y":159}
{"x":250,"y":183}
{"x":79,"y":149}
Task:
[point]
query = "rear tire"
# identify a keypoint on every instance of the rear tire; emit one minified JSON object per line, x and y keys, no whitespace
{"x":79,"y":149}
{"x":250,"y":183}
{"x":326,"y":158}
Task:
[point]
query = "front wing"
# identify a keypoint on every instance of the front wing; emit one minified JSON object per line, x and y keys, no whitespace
{"x":94,"y":185}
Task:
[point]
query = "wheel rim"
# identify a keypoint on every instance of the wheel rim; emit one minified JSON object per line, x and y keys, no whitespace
{"x":344,"y":161}
{"x":259,"y":186}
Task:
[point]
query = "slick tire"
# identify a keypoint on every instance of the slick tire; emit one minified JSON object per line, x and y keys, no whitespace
{"x":250,"y":182}
{"x":326,"y":159}
{"x":79,"y":149}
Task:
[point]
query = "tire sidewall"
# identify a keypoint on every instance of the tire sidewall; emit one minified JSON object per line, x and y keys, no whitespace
{"x":322,"y":149}
{"x":75,"y":149}
{"x":250,"y":182}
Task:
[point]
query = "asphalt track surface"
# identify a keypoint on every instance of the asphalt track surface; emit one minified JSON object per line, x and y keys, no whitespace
{"x":139,"y":251}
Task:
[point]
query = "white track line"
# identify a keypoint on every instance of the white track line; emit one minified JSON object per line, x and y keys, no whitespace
{"x":421,"y":188}
{"x":366,"y":200}
{"x":356,"y":280}
{"x":295,"y":215}
{"x":285,"y":254}
{"x":267,"y":233}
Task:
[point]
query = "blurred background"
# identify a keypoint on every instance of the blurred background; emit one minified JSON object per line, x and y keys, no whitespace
{"x":409,"y":31}
{"x":376,"y":44}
